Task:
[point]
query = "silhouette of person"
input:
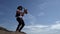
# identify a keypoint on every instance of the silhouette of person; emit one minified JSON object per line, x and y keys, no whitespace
{"x":19,"y":17}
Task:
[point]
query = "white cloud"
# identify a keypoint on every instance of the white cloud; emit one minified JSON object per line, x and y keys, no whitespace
{"x":31,"y":18}
{"x":36,"y":28}
{"x":41,"y":14}
{"x":57,"y":22}
{"x":43,"y":6}
{"x":56,"y":26}
{"x":43,"y":29}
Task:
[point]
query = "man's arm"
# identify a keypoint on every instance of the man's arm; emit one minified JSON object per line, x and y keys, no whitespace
{"x":25,"y":11}
{"x":22,"y":13}
{"x":17,"y":12}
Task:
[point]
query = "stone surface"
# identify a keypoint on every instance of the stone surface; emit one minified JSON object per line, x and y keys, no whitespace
{"x":4,"y":31}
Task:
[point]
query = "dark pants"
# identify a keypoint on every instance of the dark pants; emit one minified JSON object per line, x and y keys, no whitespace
{"x":20,"y":25}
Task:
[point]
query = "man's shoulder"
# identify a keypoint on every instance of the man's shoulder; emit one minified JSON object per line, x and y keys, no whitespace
{"x":17,"y":10}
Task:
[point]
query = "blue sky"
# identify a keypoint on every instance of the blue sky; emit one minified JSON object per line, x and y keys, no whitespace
{"x":43,"y":15}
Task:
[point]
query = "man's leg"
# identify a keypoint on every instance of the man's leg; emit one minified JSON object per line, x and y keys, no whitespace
{"x":18,"y":19}
{"x":22,"y":25}
{"x":18,"y":27}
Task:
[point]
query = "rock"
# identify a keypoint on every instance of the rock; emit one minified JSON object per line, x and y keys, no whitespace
{"x":5,"y":31}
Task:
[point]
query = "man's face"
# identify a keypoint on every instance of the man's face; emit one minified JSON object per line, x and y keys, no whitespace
{"x":21,"y":8}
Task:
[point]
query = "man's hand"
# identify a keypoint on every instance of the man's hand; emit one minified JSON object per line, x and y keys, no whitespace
{"x":25,"y":11}
{"x":22,"y":14}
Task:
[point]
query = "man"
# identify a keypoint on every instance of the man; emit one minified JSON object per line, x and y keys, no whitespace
{"x":19,"y":17}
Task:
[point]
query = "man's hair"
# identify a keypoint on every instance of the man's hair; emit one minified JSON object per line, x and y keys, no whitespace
{"x":20,"y":7}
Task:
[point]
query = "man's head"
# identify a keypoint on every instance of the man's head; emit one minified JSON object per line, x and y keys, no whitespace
{"x":20,"y":7}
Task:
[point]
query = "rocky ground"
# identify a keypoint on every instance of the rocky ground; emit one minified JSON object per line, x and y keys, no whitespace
{"x":5,"y":31}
